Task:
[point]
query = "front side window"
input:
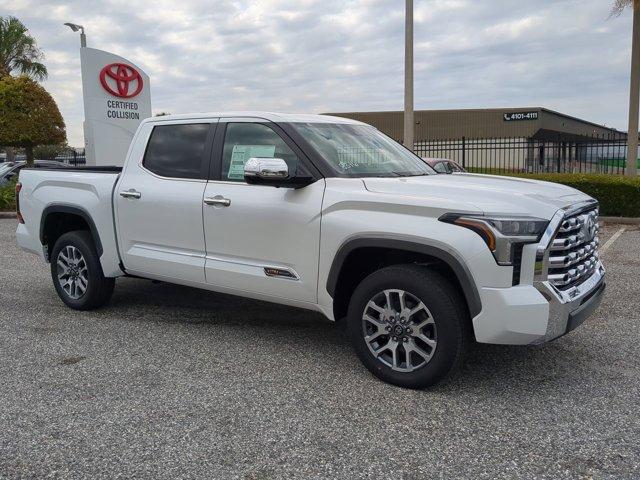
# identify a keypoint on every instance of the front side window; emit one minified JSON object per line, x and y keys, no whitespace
{"x":177,"y":150}
{"x":441,"y":167}
{"x":361,"y":151}
{"x":245,"y":140}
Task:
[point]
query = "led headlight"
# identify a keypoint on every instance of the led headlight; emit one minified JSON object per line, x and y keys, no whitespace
{"x":501,"y":233}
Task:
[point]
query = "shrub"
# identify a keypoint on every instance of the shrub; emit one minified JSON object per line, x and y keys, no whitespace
{"x":8,"y":197}
{"x":619,"y":196}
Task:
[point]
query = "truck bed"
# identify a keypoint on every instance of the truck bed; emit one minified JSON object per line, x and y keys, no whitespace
{"x":87,"y":191}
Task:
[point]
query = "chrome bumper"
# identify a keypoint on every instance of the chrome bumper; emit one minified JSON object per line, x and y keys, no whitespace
{"x":567,"y":310}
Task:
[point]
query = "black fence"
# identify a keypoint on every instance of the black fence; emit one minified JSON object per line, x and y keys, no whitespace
{"x":598,"y":155}
{"x":73,"y":157}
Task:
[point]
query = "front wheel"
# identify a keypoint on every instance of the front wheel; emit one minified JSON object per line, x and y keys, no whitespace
{"x":408,"y":325}
{"x":77,"y":274}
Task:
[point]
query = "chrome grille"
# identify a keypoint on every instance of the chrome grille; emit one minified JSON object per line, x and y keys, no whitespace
{"x":574,"y":251}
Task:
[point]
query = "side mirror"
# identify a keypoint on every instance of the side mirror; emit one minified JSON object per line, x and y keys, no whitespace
{"x":265,"y":168}
{"x":10,"y":175}
{"x":272,"y":172}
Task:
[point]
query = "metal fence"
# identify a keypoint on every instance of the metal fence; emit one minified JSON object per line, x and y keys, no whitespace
{"x":73,"y":157}
{"x":598,"y":155}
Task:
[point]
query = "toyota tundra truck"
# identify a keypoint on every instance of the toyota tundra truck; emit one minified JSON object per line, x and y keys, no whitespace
{"x":325,"y":214}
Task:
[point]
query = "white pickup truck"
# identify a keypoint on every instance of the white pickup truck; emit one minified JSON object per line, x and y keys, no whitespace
{"x":326,"y":214}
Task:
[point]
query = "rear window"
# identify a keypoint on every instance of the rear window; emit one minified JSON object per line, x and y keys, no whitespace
{"x":177,"y":150}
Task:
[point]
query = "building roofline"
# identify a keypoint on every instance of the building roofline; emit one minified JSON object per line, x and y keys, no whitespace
{"x":497,"y":109}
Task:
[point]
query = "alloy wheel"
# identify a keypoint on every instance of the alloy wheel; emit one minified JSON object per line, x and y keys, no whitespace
{"x":73,"y":275}
{"x":399,"y":330}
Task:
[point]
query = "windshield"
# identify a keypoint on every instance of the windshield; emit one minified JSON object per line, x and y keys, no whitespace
{"x":361,"y":151}
{"x":5,"y":167}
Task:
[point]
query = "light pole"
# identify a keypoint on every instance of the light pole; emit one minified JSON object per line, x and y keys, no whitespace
{"x":408,"y":76}
{"x":75,"y":27}
{"x":634,"y":95}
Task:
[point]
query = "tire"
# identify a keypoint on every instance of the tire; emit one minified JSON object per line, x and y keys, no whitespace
{"x":76,"y":272}
{"x":429,"y":344}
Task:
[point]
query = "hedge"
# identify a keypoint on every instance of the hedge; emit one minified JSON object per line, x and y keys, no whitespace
{"x":8,"y":197}
{"x":619,"y":196}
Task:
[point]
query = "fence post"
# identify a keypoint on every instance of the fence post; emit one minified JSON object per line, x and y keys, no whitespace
{"x":558,"y":157}
{"x":464,"y":152}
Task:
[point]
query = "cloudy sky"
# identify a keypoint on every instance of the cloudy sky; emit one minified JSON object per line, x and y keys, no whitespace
{"x":345,"y":55}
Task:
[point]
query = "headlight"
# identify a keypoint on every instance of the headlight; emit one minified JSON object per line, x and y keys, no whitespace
{"x":501,"y":233}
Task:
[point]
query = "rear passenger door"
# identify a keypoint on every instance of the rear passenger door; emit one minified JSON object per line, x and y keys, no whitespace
{"x":159,"y":201}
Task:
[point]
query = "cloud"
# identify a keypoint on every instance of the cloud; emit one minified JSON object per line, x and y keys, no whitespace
{"x":337,"y":55}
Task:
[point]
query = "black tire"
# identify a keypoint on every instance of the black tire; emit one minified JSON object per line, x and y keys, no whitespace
{"x":450,"y":326}
{"x":99,"y":288}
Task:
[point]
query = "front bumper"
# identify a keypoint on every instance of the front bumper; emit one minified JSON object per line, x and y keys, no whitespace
{"x":568,"y":311}
{"x":528,"y":314}
{"x":540,"y":311}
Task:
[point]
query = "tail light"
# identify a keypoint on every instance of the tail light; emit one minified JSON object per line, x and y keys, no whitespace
{"x":18,"y":214}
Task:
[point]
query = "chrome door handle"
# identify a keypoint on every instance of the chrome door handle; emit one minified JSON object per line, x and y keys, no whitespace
{"x":218,"y":200}
{"x":131,"y":193}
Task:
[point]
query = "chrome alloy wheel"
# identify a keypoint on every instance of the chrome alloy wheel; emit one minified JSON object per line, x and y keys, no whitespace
{"x":73,"y":275}
{"x":399,"y":330}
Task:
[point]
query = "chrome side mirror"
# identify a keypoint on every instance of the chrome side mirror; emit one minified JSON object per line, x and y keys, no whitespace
{"x":257,"y":169}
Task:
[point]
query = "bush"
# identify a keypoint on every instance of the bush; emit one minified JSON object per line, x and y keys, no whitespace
{"x":619,"y":196}
{"x":8,"y":197}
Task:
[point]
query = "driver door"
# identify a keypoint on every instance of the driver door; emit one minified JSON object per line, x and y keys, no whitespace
{"x":261,"y":239}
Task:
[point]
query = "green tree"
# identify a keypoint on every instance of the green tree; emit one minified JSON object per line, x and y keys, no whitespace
{"x":18,"y":50}
{"x":634,"y":90}
{"x":28,"y":115}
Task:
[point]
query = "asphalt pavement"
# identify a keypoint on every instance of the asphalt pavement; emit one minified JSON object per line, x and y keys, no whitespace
{"x":173,"y":382}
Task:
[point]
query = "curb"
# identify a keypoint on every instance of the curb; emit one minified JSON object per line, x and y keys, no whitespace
{"x":621,"y":220}
{"x":7,"y":214}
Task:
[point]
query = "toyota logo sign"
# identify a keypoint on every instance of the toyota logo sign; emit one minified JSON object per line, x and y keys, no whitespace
{"x":121,"y":80}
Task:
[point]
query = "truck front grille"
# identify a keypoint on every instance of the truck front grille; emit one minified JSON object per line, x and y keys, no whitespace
{"x":574,"y":251}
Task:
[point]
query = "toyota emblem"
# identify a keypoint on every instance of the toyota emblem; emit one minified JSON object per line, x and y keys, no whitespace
{"x":121,"y":80}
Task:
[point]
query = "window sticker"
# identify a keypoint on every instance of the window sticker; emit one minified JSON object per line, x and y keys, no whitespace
{"x":241,"y":153}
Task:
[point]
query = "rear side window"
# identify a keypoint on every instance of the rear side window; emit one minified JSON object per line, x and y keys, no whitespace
{"x":177,"y":150}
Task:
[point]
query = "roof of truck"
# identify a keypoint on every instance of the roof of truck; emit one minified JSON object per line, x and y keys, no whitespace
{"x":270,"y":116}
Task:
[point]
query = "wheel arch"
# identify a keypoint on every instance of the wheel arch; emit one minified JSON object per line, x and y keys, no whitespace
{"x":58,"y":219}
{"x":397,"y":251}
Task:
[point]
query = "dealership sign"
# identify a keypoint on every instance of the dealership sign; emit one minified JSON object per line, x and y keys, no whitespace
{"x":116,"y":99}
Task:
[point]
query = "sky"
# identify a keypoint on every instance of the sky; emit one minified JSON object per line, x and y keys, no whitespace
{"x":319,"y":56}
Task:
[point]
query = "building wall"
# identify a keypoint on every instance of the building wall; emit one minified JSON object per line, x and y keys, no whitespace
{"x":481,"y":124}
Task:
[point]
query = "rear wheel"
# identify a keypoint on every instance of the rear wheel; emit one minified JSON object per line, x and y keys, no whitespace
{"x":408,"y":325}
{"x":77,"y":274}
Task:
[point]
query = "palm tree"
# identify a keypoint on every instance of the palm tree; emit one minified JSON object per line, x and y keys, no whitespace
{"x":18,"y":50}
{"x":634,"y":93}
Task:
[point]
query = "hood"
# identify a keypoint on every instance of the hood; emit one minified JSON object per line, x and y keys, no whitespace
{"x":488,"y":193}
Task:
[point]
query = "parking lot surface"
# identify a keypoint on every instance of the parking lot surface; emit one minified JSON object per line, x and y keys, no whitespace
{"x":172,"y":382}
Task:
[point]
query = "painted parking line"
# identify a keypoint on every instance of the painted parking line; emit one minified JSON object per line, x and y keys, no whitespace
{"x":613,"y":238}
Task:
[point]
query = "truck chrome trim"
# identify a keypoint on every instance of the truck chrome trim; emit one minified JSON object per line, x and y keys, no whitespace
{"x":581,"y":278}
{"x":217,"y":200}
{"x":130,"y":194}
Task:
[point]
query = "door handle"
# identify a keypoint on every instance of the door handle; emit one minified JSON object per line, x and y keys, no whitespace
{"x":218,"y":200}
{"x":131,"y":193}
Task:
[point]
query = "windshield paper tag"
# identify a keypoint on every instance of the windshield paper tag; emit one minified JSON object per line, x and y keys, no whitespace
{"x":242,"y":153}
